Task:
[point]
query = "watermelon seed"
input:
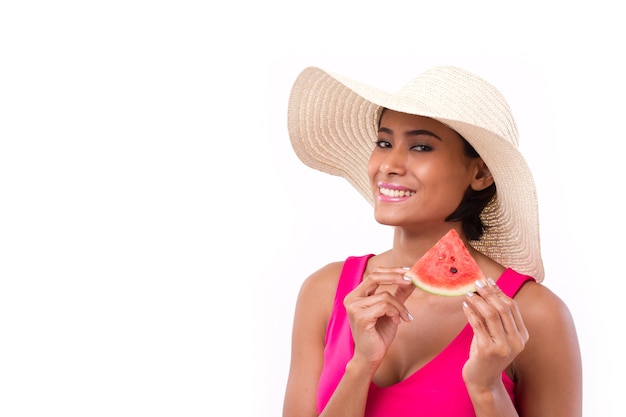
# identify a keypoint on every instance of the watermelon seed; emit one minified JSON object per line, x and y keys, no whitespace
{"x":452,"y":258}
{"x":453,"y":270}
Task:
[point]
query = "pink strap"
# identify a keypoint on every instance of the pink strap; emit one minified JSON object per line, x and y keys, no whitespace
{"x":510,"y":282}
{"x":351,"y":276}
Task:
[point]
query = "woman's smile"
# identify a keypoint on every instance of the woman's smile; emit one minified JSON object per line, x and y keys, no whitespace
{"x":393,"y":192}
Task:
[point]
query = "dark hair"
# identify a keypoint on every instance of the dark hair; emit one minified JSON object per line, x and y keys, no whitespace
{"x":473,"y":203}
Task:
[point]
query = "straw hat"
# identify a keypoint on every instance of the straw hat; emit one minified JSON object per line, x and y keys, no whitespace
{"x":333,"y":123}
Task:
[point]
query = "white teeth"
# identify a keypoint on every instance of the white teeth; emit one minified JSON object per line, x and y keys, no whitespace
{"x":396,"y":193}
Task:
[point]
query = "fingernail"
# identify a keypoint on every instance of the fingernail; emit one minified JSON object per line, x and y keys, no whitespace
{"x":407,"y":278}
{"x":491,"y":282}
{"x":465,"y":305}
{"x":470,"y":293}
{"x":479,"y":284}
{"x":410,"y":316}
{"x":406,"y":268}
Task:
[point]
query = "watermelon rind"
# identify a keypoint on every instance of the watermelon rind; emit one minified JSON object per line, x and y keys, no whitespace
{"x":462,"y":290}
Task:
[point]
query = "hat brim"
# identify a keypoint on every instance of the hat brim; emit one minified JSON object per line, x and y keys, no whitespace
{"x":332,"y":124}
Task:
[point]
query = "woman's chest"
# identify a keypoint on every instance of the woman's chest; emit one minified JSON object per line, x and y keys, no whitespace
{"x":433,"y":329}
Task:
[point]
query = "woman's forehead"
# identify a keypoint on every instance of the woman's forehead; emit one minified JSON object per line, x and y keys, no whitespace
{"x":391,"y":116}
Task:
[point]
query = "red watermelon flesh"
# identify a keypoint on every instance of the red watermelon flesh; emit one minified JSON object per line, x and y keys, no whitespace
{"x":447,"y":268}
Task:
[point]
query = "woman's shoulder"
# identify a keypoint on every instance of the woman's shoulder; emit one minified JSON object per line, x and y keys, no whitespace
{"x":536,"y":302}
{"x":547,"y":318}
{"x":326,"y":279}
{"x":317,"y":295}
{"x":319,"y":288}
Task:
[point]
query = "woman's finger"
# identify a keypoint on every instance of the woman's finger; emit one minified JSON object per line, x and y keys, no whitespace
{"x":377,"y":305}
{"x":506,"y":308}
{"x":382,"y":276}
{"x":512,"y":321}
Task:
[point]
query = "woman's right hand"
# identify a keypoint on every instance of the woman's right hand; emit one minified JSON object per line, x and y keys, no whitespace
{"x":376,"y":312}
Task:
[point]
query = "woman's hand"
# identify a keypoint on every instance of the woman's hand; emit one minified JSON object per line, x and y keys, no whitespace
{"x":499,"y":335}
{"x":375,"y":312}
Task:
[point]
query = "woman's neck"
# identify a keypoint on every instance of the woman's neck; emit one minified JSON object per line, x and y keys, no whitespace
{"x":409,"y":246}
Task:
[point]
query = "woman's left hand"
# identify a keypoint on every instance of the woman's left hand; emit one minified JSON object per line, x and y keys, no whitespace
{"x":499,"y":335}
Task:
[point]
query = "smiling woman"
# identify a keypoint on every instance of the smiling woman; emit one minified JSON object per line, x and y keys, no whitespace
{"x":425,"y":147}
{"x":441,"y":154}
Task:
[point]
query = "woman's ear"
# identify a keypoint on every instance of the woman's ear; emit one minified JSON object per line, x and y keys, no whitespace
{"x":482,"y":176}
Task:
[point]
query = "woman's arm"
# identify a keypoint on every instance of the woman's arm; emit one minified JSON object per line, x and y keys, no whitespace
{"x":313,"y":309}
{"x":534,"y":336}
{"x":374,"y":318}
{"x":549,"y":370}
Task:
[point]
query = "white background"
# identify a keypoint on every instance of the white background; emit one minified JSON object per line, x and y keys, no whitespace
{"x":155,"y":225}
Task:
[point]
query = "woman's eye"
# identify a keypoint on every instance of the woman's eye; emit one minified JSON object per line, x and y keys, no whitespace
{"x":383,"y":143}
{"x":422,"y":148}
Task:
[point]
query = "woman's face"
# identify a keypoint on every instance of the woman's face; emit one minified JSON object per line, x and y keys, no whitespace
{"x":418,"y":171}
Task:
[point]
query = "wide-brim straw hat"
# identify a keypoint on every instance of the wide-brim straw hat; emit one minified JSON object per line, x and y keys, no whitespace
{"x":333,"y":123}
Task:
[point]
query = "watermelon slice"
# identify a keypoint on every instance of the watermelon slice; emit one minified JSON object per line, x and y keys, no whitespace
{"x":447,"y":268}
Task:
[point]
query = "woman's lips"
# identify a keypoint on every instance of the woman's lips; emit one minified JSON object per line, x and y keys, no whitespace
{"x":392,"y":192}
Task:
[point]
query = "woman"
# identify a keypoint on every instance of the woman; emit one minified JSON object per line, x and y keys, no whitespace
{"x":440,"y":154}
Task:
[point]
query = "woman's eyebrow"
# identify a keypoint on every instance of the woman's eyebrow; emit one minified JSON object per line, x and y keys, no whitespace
{"x":417,"y":132}
{"x":420,"y":132}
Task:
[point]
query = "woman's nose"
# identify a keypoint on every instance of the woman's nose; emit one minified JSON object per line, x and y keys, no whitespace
{"x":394,"y":162}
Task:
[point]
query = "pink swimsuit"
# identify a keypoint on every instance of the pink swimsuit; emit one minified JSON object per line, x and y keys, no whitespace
{"x":437,"y":389}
